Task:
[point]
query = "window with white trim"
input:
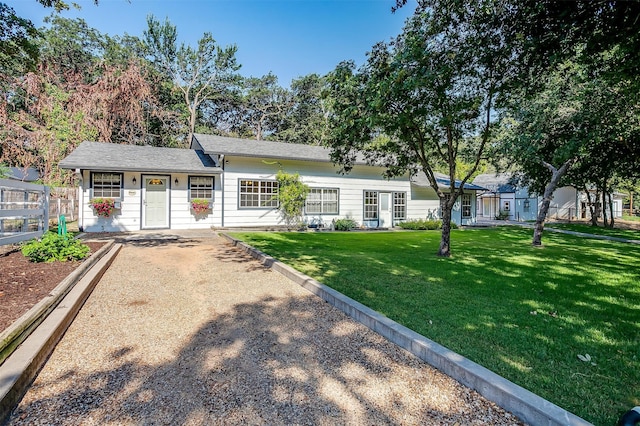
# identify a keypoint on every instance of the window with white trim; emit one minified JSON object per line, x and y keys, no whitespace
{"x":257,"y":194}
{"x":399,"y":205}
{"x":322,"y":201}
{"x":201,"y":187}
{"x":466,"y":205}
{"x":370,"y":205}
{"x":106,"y":185}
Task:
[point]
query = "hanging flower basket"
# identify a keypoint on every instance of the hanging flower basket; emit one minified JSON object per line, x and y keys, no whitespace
{"x":199,"y":205}
{"x":102,"y":207}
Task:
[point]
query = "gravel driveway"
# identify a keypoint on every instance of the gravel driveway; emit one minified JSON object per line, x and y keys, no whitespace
{"x":192,"y":331}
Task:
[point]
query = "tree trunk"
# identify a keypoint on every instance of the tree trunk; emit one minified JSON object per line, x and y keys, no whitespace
{"x":605,"y":221}
{"x":591,"y":204}
{"x":445,"y":239}
{"x":612,"y":221}
{"x":556,"y":175}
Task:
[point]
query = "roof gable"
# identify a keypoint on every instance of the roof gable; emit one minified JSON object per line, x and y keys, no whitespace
{"x":117,"y":157}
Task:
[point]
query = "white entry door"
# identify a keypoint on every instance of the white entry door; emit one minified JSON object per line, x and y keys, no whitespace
{"x":155,"y":202}
{"x":385,"y":219}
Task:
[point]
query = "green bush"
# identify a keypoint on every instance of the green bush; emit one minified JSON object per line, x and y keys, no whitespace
{"x":502,"y":215}
{"x":423,"y":225}
{"x":52,"y":247}
{"x":345,"y":224}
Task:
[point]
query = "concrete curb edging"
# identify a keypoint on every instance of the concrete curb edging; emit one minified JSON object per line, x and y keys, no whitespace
{"x":21,"y":367}
{"x":522,"y":403}
{"x":17,"y":332}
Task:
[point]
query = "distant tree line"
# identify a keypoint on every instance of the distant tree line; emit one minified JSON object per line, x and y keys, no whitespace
{"x":66,"y":83}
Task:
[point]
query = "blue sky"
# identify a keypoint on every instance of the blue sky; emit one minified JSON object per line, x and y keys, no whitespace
{"x":291,"y":38}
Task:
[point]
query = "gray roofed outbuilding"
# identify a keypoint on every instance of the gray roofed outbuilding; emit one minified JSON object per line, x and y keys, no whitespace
{"x":121,"y":158}
{"x":420,"y":179}
{"x":500,"y":183}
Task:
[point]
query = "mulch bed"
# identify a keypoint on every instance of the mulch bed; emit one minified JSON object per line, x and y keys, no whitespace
{"x":23,"y":284}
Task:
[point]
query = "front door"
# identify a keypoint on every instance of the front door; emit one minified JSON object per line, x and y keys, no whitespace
{"x":155,"y":203}
{"x":385,"y":210}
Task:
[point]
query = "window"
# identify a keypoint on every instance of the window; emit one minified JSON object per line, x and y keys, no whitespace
{"x":399,"y":205}
{"x":322,"y":201}
{"x":466,"y":205}
{"x":107,"y":185}
{"x":258,"y":193}
{"x":370,"y":205}
{"x":201,"y":187}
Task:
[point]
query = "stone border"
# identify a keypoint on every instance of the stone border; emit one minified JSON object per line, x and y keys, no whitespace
{"x":522,"y":403}
{"x":21,"y":367}
{"x":17,"y":332}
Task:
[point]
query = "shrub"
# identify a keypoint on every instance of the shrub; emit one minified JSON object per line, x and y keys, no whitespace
{"x":503,"y":215}
{"x":345,"y":224}
{"x":52,"y":247}
{"x":423,"y":224}
{"x":292,"y":193}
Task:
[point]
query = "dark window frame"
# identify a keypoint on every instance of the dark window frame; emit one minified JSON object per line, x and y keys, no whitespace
{"x":212,"y":188}
{"x":464,"y":206}
{"x":367,"y":196}
{"x":104,"y":188}
{"x":264,"y":199}
{"x":396,"y":205}
{"x":324,"y":202}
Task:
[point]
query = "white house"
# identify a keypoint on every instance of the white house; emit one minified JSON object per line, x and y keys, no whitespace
{"x":153,"y":187}
{"x":501,"y":196}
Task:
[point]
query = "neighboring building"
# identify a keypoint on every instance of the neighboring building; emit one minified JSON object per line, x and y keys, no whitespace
{"x":153,"y":187}
{"x":24,"y":175}
{"x":516,"y":203}
{"x":502,"y":197}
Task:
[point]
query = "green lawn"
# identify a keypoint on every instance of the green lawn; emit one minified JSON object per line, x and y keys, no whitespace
{"x":629,"y":234}
{"x":525,"y":313}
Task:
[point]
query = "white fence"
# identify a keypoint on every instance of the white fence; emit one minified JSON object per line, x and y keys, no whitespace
{"x":24,"y":211}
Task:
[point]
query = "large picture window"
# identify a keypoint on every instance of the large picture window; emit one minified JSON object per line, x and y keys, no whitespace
{"x":322,"y":201}
{"x":370,"y":205}
{"x":201,"y":187}
{"x":399,"y":205}
{"x":258,"y":194}
{"x":106,"y":185}
{"x":466,"y":205}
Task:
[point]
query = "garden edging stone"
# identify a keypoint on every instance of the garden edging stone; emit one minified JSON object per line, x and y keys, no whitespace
{"x":49,"y":321}
{"x":524,"y":404}
{"x":19,"y":330}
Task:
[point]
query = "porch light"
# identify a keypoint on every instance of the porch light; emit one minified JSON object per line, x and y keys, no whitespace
{"x":176,"y":181}
{"x":134,"y":180}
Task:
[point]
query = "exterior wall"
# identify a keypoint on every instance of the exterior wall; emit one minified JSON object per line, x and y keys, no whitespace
{"x":129,"y":215}
{"x":317,"y":175}
{"x":563,"y":204}
{"x":456,"y":212}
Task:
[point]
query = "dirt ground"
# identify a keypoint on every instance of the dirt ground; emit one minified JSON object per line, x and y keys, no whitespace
{"x":23,"y":283}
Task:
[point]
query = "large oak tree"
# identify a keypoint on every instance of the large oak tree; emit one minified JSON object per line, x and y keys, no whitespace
{"x":425,"y":100}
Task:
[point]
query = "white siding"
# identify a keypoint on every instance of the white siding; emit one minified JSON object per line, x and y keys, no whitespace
{"x":317,"y":175}
{"x":129,"y":216}
{"x":563,"y":204}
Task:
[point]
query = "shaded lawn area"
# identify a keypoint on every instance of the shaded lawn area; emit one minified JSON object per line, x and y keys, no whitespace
{"x":628,"y":234}
{"x":526,"y":313}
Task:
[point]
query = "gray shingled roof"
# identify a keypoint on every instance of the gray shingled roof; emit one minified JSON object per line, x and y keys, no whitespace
{"x":500,"y":183}
{"x":420,"y":179}
{"x":115,"y":157}
{"x":212,"y":144}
